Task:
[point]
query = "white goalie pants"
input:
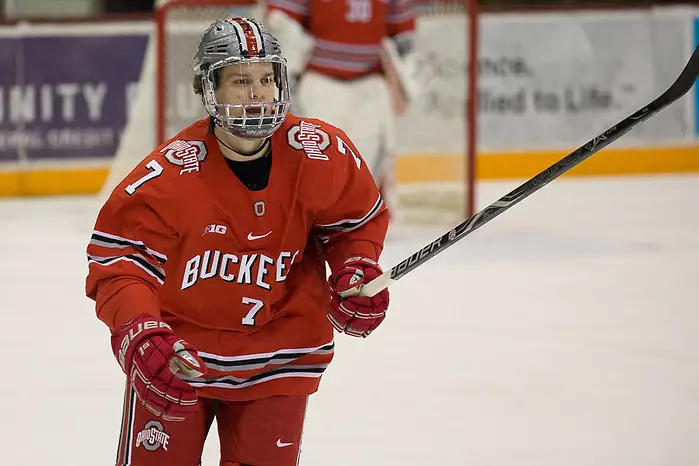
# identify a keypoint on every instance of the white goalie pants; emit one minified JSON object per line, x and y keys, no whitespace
{"x":362,"y":109}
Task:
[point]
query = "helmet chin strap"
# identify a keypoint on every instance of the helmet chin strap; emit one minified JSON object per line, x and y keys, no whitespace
{"x":236,"y":151}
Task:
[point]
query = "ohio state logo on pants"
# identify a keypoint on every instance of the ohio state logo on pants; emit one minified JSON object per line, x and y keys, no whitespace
{"x":152,"y":436}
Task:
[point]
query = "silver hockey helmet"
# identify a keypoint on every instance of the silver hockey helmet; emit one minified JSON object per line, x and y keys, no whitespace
{"x":243,"y":78}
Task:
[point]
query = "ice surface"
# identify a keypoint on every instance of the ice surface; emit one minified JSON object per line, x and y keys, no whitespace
{"x":565,"y":332}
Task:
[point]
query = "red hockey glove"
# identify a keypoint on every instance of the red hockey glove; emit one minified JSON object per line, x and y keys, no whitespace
{"x":151,"y":354}
{"x":352,"y":314}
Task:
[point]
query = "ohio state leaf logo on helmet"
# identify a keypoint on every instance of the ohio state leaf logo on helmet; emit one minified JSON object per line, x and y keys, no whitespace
{"x":186,"y":154}
{"x":310,"y":139}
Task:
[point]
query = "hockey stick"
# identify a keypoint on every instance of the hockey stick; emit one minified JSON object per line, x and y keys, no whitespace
{"x":681,"y":86}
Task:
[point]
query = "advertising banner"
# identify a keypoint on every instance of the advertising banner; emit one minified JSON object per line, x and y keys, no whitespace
{"x":548,"y":80}
{"x":66,"y":96}
{"x":547,"y":83}
{"x":8,"y":81}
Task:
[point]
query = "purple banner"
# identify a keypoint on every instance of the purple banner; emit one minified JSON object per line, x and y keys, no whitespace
{"x":66,"y":96}
{"x":9,"y":52}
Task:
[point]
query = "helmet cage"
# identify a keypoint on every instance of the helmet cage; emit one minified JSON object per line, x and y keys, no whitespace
{"x":254,"y":120}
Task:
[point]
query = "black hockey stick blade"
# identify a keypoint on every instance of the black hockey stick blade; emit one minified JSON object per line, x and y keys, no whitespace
{"x":680,"y":87}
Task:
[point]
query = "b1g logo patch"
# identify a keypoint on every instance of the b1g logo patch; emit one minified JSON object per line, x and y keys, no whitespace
{"x":218,"y":229}
{"x":186,"y":154}
{"x":152,"y":437}
{"x":310,"y":139}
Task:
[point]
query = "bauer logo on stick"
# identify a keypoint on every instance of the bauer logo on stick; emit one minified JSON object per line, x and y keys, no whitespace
{"x":186,"y":154}
{"x":152,"y":437}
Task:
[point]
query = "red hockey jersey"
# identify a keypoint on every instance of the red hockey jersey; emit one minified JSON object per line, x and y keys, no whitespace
{"x":348,"y":33}
{"x":240,"y":274}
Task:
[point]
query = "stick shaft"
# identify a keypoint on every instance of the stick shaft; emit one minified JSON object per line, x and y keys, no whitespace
{"x":681,"y":86}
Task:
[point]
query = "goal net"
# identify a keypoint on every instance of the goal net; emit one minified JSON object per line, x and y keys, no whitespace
{"x":435,"y":160}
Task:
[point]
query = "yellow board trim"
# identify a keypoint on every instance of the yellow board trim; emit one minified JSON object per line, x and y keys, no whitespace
{"x":608,"y":162}
{"x":10,"y":184}
{"x":52,"y":182}
{"x":413,"y":168}
{"x":417,"y":168}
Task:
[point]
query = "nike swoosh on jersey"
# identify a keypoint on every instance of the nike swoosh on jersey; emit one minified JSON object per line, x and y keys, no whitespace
{"x":252,"y":237}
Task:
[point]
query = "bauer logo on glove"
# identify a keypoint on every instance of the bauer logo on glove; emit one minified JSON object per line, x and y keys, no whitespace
{"x":151,"y":355}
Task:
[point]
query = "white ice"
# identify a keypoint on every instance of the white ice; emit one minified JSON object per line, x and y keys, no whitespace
{"x":565,"y":332}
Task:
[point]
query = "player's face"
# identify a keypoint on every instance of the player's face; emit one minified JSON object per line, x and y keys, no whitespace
{"x":246,"y":83}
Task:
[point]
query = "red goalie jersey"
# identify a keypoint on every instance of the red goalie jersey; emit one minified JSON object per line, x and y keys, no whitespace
{"x":239,"y":274}
{"x":348,"y":33}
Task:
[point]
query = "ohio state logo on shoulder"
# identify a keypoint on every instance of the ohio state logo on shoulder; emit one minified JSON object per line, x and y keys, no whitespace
{"x":186,"y":154}
{"x":310,"y":139}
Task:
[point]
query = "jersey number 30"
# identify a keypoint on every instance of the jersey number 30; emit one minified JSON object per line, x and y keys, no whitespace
{"x":358,"y":11}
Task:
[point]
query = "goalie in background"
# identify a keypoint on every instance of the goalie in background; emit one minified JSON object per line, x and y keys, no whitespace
{"x":208,"y":264}
{"x":351,"y":64}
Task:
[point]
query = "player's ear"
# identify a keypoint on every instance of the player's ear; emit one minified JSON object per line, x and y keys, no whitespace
{"x":197,"y":85}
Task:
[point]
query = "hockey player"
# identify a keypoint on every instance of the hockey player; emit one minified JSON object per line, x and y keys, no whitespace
{"x":207,"y":263}
{"x":339,"y":54}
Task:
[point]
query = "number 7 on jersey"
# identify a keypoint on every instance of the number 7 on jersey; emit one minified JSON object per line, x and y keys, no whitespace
{"x":156,"y":170}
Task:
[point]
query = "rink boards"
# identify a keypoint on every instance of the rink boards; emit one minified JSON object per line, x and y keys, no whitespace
{"x":548,"y":82}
